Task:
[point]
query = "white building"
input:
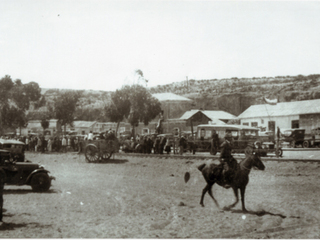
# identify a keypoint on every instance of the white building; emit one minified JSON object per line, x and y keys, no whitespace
{"x":299,"y":114}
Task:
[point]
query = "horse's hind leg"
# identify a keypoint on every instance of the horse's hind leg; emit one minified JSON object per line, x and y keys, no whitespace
{"x":210,"y":193}
{"x":204,"y":191}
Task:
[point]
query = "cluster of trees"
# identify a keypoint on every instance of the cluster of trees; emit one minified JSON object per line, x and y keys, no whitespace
{"x":132,"y":103}
{"x":15,"y":98}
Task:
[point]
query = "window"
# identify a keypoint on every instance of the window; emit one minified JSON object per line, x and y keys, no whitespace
{"x":295,"y":124}
{"x":254,"y":124}
{"x":262,"y":121}
{"x":245,"y":124}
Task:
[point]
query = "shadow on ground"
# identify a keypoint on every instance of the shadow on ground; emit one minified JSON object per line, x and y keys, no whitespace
{"x":26,"y":191}
{"x":114,"y":161}
{"x":12,"y":226}
{"x":257,"y":213}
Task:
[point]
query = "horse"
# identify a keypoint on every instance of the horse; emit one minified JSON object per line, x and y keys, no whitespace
{"x":212,"y":173}
{"x":2,"y":182}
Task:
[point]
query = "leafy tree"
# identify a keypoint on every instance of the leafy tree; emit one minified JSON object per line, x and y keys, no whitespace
{"x":134,"y":103}
{"x":65,"y":104}
{"x":15,"y":98}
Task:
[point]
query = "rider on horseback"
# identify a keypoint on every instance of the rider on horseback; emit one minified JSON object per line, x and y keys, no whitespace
{"x":227,"y":161}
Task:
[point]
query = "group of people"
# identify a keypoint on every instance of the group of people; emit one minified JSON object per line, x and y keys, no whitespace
{"x":147,"y":144}
{"x":51,"y":144}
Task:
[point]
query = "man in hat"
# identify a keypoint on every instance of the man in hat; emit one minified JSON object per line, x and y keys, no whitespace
{"x":227,"y":161}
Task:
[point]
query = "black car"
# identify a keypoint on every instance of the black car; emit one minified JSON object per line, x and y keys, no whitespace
{"x":16,"y":148}
{"x":24,"y":173}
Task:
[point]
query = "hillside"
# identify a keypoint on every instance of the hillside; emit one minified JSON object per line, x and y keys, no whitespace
{"x":232,"y":95}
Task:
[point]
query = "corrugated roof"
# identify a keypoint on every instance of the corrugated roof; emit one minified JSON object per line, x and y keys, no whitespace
{"x":282,"y":109}
{"x":170,"y":97}
{"x":210,"y":114}
{"x":83,"y":124}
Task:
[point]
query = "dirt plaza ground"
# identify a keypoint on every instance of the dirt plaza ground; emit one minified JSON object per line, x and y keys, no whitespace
{"x":130,"y":197}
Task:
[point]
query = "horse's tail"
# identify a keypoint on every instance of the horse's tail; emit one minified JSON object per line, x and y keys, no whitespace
{"x":201,"y":167}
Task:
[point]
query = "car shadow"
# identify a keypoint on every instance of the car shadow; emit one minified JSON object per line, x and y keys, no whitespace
{"x":26,"y":191}
{"x":13,"y":226}
{"x":260,"y":213}
{"x":114,"y":161}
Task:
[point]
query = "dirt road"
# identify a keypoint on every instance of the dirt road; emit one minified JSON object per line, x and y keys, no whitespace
{"x":148,"y":198}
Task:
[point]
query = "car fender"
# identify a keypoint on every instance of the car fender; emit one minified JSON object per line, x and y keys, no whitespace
{"x":37,"y":171}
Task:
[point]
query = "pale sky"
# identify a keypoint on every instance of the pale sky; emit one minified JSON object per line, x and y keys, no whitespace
{"x":87,"y":44}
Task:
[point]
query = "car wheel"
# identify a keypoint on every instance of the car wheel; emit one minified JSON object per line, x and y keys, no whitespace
{"x":40,"y":182}
{"x":305,"y":144}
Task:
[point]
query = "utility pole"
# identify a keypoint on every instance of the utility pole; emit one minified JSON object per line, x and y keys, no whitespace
{"x":187,"y":85}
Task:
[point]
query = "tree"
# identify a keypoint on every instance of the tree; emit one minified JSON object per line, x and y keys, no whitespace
{"x":134,"y":103}
{"x":65,"y":104}
{"x":15,"y":99}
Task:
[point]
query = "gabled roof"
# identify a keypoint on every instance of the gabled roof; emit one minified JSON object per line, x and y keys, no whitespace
{"x":213,"y":115}
{"x":165,"y":97}
{"x":282,"y":109}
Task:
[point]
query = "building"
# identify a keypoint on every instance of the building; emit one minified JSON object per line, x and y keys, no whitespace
{"x":299,"y":114}
{"x":34,"y":127}
{"x":173,"y":105}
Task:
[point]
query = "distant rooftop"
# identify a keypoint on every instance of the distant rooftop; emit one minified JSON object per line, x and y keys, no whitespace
{"x":170,"y":97}
{"x":282,"y":109}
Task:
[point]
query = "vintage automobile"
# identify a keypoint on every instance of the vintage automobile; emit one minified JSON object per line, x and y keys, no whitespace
{"x":246,"y":139}
{"x":16,"y":148}
{"x":294,"y":136}
{"x":24,"y":173}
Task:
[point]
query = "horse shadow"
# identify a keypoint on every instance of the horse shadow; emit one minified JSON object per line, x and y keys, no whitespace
{"x":260,"y":213}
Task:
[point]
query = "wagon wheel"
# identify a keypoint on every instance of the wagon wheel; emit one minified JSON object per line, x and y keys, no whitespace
{"x":106,"y":155}
{"x":92,"y":154}
{"x":248,"y":151}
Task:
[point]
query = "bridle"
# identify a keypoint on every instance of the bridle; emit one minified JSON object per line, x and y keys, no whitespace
{"x":249,"y":169}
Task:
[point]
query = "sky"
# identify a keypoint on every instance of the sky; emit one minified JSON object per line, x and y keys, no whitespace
{"x":100,"y":44}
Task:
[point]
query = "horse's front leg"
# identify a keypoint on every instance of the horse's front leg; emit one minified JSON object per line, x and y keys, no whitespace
{"x":242,"y":192}
{"x":235,"y":191}
{"x":211,"y":195}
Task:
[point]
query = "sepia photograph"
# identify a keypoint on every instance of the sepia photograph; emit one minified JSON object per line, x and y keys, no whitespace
{"x":157,"y":119}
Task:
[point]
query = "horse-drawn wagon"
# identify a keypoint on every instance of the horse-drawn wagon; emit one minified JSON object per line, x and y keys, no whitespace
{"x":100,"y":149}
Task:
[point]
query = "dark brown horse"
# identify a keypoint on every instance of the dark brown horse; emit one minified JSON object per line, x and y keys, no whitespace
{"x":2,"y":181}
{"x":213,"y":174}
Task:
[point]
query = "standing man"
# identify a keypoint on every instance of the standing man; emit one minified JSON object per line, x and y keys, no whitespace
{"x":214,"y":142}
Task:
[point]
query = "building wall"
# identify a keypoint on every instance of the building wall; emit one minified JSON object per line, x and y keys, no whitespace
{"x":174,"y":110}
{"x":280,"y":121}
